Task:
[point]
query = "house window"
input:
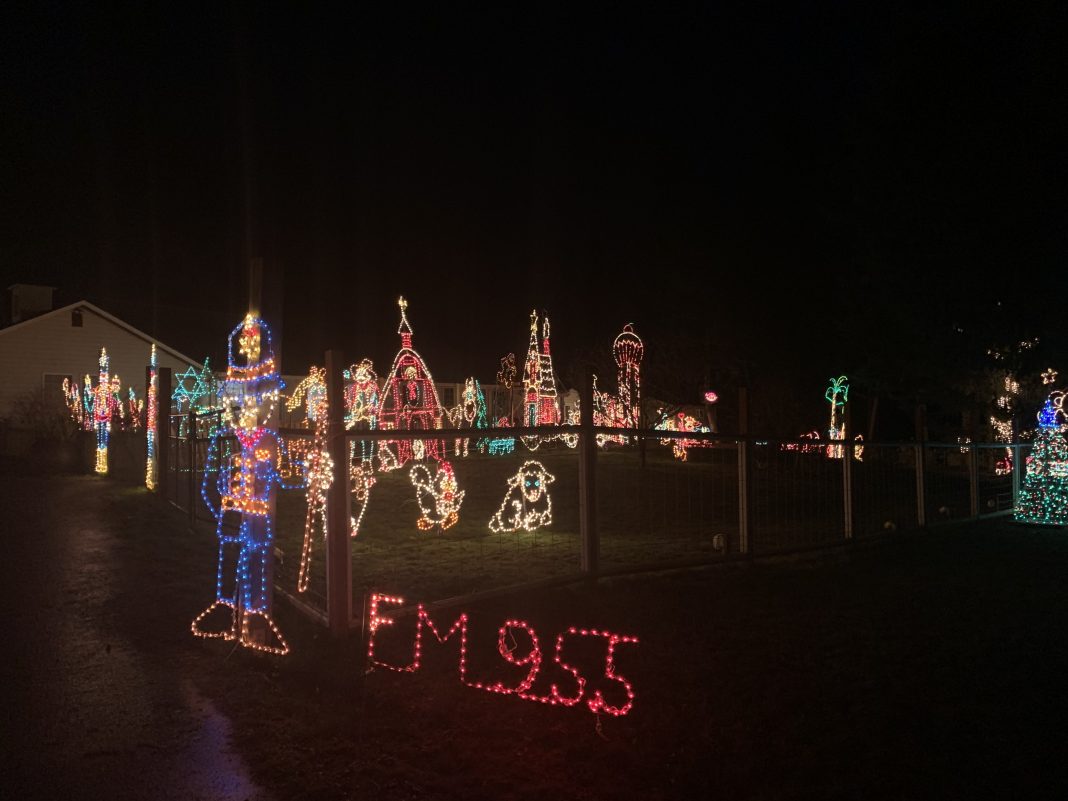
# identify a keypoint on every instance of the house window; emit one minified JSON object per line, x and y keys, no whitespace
{"x":448,"y":396}
{"x":76,"y":318}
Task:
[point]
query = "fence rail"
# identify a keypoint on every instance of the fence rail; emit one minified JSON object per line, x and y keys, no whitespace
{"x":633,"y":504}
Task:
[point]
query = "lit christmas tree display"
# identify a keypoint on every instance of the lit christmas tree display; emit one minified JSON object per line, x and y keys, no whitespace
{"x":541,"y":407}
{"x":245,"y":482}
{"x":409,"y":402}
{"x":1043,"y":496}
{"x":152,"y":391}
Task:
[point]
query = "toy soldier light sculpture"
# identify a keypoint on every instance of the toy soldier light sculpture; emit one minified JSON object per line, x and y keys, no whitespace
{"x":246,"y":482}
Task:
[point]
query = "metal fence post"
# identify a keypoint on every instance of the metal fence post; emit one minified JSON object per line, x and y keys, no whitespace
{"x":744,"y":473}
{"x":591,"y":545}
{"x":847,"y":477}
{"x":191,"y":439}
{"x":973,"y":479}
{"x":921,"y":489}
{"x":743,"y":495}
{"x":338,"y":503}
{"x":163,"y":428}
{"x":847,"y":488}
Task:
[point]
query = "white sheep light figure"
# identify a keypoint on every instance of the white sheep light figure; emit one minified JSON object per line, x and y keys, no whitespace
{"x":526,"y":504}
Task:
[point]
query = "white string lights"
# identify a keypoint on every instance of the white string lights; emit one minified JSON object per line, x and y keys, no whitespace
{"x":526,"y":503}
{"x":438,"y":495}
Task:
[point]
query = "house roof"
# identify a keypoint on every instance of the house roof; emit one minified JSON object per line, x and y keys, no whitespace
{"x":84,"y":304}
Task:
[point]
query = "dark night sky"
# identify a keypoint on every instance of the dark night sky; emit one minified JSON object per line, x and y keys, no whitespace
{"x":801,"y":190}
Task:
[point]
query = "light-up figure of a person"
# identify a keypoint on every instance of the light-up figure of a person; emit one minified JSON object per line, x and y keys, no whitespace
{"x":244,"y":485}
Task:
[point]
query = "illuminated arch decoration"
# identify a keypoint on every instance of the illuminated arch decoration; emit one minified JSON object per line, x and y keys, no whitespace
{"x":409,"y":402}
{"x":152,"y":419}
{"x":103,"y":405}
{"x":438,"y":495}
{"x":684,"y":423}
{"x":361,"y":413}
{"x":526,"y":503}
{"x":245,"y":482}
{"x":1043,"y":496}
{"x":541,"y":407}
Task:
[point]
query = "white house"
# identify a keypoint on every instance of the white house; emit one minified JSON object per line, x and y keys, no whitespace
{"x":39,"y":352}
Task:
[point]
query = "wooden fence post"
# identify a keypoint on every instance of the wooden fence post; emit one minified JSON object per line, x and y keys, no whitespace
{"x":338,"y":503}
{"x":591,"y":545}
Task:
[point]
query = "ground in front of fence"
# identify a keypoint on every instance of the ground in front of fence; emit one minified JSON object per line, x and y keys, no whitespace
{"x":930,"y":665}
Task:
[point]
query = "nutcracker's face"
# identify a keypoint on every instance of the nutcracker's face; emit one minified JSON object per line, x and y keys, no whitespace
{"x":253,"y":387}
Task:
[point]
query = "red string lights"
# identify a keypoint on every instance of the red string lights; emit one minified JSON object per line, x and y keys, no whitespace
{"x":595,"y":701}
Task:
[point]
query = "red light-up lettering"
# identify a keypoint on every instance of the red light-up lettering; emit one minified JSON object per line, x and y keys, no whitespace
{"x":507,"y":646}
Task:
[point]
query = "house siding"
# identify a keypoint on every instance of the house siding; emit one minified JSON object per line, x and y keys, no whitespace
{"x":50,"y":344}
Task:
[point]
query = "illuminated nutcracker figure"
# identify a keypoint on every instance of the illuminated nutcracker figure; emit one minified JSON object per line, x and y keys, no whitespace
{"x":245,"y":483}
{"x":103,"y":403}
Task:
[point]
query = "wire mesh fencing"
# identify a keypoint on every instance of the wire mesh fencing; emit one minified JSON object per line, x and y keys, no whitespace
{"x":446,"y":513}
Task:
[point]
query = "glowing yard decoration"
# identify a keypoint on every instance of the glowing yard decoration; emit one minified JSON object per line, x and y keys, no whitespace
{"x":439,"y":496}
{"x":361,"y":412}
{"x":711,"y":397}
{"x":191,"y":387}
{"x":682,"y":422}
{"x":506,"y":378}
{"x":135,"y":407}
{"x":499,"y":446}
{"x":152,"y":390}
{"x":318,"y":467}
{"x":246,"y":482}
{"x":469,"y":413}
{"x":1043,"y":497}
{"x":526,"y":503}
{"x":103,"y":405}
{"x":1049,"y":377}
{"x":596,"y":701}
{"x":1001,"y":421}
{"x":540,"y":404}
{"x":79,"y":402}
{"x":409,"y":403}
{"x":837,"y":394}
{"x":804,"y":447}
{"x":628,"y":349}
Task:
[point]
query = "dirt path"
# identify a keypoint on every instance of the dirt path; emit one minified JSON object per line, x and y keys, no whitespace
{"x":94,"y":707}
